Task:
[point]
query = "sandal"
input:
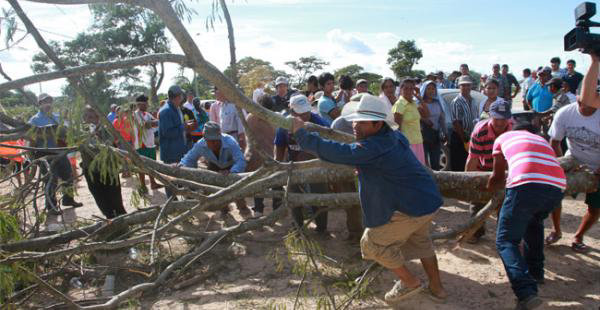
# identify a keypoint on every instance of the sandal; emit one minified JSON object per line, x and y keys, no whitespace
{"x":579,"y":247}
{"x":553,"y":237}
{"x":400,"y":292}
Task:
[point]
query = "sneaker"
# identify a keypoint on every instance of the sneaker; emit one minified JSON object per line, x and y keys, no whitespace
{"x":528,"y":303}
{"x":399,"y":292}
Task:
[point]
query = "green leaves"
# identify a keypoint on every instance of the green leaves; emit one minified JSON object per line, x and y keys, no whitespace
{"x":403,"y":57}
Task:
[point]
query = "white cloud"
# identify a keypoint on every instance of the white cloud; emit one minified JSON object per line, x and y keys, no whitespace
{"x":349,"y":42}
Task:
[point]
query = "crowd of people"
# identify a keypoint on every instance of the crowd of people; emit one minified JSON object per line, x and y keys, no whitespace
{"x":400,"y":133}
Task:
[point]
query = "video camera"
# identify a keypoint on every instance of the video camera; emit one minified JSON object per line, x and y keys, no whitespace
{"x":580,"y":37}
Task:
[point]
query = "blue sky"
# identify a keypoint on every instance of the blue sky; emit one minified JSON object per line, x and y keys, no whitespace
{"x":480,"y":33}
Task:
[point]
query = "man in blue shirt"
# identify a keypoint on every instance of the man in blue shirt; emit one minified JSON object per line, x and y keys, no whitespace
{"x":398,"y":196}
{"x":539,"y":95}
{"x":285,"y":142}
{"x":171,"y":129}
{"x":222,"y":154}
{"x":46,"y":129}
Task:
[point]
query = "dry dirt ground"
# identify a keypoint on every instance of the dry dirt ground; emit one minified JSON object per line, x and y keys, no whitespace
{"x":248,"y":277}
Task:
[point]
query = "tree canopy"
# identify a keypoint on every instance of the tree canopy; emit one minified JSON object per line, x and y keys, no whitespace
{"x":403,"y":57}
{"x":304,"y":67}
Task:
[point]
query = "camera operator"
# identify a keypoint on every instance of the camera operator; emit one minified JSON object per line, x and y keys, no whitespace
{"x":589,"y":90}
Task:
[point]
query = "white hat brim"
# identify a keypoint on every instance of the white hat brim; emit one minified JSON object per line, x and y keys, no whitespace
{"x":351,"y":114}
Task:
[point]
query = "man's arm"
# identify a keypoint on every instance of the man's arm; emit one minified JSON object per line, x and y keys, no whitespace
{"x":341,"y":153}
{"x":190,"y":159}
{"x":497,"y":179}
{"x":589,"y":93}
{"x":279,"y":152}
{"x":472,"y":162}
{"x":516,"y":83}
{"x":556,"y":147}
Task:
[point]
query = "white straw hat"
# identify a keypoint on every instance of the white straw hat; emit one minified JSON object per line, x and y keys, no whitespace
{"x":366,"y":107}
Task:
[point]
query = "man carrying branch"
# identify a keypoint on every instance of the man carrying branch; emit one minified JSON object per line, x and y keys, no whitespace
{"x":398,"y":196}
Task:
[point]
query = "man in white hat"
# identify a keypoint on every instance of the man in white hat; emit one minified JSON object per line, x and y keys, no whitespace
{"x":285,"y":143}
{"x":398,"y":196}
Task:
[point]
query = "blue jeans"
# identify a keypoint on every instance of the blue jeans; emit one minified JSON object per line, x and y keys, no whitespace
{"x":522,"y":218}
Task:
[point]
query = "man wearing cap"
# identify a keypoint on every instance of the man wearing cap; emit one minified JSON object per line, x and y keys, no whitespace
{"x":464,"y":70}
{"x":47,"y":135}
{"x":143,"y":129}
{"x":463,"y":114}
{"x":362,"y":86}
{"x":171,"y":129}
{"x":534,"y":186}
{"x":480,"y":149}
{"x":283,"y":94}
{"x":222,"y":154}
{"x":580,"y":125}
{"x":398,"y":196}
{"x":539,"y":96}
{"x":113,"y":113}
{"x":285,"y":143}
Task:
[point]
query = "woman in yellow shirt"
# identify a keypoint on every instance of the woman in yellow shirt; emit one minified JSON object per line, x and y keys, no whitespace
{"x":407,"y":116}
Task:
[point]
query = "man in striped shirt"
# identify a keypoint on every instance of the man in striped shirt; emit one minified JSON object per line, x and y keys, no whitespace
{"x":534,"y":186}
{"x":480,"y":149}
{"x":463,"y":117}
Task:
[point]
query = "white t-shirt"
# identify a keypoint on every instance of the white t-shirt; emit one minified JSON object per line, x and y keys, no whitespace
{"x":147,"y":135}
{"x":229,"y":119}
{"x":582,"y":132}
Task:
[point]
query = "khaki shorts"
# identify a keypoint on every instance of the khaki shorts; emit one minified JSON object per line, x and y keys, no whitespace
{"x":403,"y":238}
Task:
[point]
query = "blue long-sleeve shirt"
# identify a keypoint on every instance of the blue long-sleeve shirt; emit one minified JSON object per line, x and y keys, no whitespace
{"x":390,"y":177}
{"x":171,"y":132}
{"x":230,"y":155}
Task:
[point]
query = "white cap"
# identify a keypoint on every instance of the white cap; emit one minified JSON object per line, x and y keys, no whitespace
{"x":43,"y":96}
{"x":299,"y":103}
{"x":281,"y":80}
{"x":366,"y":107}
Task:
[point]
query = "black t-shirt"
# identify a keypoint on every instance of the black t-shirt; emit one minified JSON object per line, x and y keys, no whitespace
{"x":188,"y":115}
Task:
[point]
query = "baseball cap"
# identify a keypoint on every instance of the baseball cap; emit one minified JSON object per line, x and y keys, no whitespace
{"x":545,"y":70}
{"x":175,"y":90}
{"x":500,"y":109}
{"x":555,"y":81}
{"x":318,"y":96}
{"x":113,"y":106}
{"x":366,"y":107}
{"x":281,"y":80}
{"x":212,"y":131}
{"x":360,"y":81}
{"x":299,"y":104}
{"x":464,"y":79}
{"x":43,"y":96}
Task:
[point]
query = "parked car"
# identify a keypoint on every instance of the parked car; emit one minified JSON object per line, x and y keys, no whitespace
{"x":446,"y":96}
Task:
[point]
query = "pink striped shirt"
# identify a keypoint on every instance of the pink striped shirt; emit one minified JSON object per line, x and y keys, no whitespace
{"x":530,"y":159}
